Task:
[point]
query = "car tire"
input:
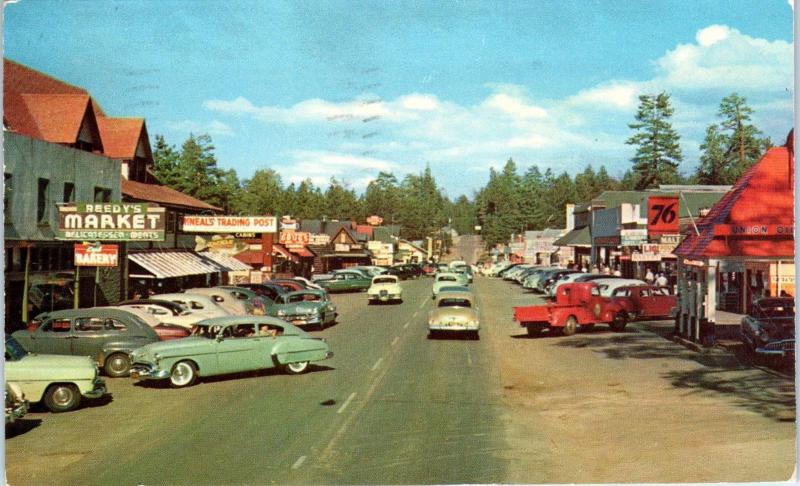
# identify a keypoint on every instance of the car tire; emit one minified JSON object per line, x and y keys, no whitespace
{"x":570,"y":327}
{"x":295,"y":368}
{"x":62,"y":397}
{"x":619,"y":323}
{"x":117,"y":365}
{"x":183,"y":374}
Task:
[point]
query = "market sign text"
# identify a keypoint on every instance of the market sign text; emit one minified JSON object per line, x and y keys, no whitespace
{"x":230,"y":224}
{"x":110,"y":221}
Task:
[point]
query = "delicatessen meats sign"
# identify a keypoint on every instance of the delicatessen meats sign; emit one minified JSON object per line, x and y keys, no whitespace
{"x":111,"y":221}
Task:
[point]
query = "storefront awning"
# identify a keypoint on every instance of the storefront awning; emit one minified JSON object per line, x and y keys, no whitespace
{"x":227,"y":263}
{"x":283,"y":252}
{"x":302,"y":252}
{"x":346,"y":255}
{"x":576,"y":237}
{"x":754,"y":219}
{"x":170,"y":264}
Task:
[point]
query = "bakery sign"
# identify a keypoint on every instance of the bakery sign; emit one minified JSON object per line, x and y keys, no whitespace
{"x":110,"y":221}
{"x":229,"y":224}
{"x":96,"y":255}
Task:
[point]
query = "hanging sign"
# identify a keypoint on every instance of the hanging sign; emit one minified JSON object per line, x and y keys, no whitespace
{"x":96,"y":255}
{"x":229,"y":224}
{"x":632,"y":237}
{"x":662,"y":215}
{"x":110,"y":221}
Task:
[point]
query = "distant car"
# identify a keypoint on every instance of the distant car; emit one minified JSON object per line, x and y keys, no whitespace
{"x":305,"y":307}
{"x":454,"y":312}
{"x":254,"y":303}
{"x":346,"y":281}
{"x":465,"y":269}
{"x":385,"y":288}
{"x":16,"y":404}
{"x":165,"y":331}
{"x":563,"y":279}
{"x":105,"y":334}
{"x":608,"y":286}
{"x":768,"y":329}
{"x":59,"y":381}
{"x":168,"y":312}
{"x":404,"y":272}
{"x":223,"y":298}
{"x":445,"y":280}
{"x":287,"y":284}
{"x":271,"y":291}
{"x":308,"y":283}
{"x":229,"y":345}
{"x":195,"y":303}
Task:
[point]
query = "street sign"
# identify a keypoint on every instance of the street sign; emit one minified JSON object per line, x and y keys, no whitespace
{"x":96,"y":255}
{"x":110,"y":221}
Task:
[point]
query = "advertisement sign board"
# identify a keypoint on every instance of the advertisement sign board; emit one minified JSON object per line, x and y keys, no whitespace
{"x":318,"y":240}
{"x":374,"y":220}
{"x":294,"y":238}
{"x":229,"y":224}
{"x":662,"y":215}
{"x":633,"y":237}
{"x":110,"y":221}
{"x":96,"y":255}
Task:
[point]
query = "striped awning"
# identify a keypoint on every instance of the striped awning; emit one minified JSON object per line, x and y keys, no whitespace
{"x":170,"y":264}
{"x":228,"y":263}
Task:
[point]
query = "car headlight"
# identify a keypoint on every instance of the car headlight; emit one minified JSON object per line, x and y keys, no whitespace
{"x":157,"y":357}
{"x":280,"y":313}
{"x":313,"y":311}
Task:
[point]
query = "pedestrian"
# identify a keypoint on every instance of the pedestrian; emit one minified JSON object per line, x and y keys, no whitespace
{"x":595,"y":270}
{"x":662,"y":281}
{"x":617,"y":272}
{"x":606,"y":270}
{"x":649,"y":277}
{"x":584,"y":269}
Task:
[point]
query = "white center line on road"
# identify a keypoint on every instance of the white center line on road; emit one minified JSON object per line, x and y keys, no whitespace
{"x":406,"y":324}
{"x":346,"y":402}
{"x":422,"y":305}
{"x":377,"y":363}
{"x":469,"y":358}
{"x":415,"y":314}
{"x":394,"y":341}
{"x":298,"y":462}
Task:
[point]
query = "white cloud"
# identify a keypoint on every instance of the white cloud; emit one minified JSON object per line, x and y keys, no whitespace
{"x":713,"y":34}
{"x":617,"y":95}
{"x":214,"y":128}
{"x":513,"y":106}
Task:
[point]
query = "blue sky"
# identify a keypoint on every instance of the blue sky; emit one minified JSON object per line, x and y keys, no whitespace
{"x":318,"y":89}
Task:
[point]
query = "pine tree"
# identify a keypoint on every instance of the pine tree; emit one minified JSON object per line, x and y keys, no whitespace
{"x":744,"y":146}
{"x":713,"y":168}
{"x":658,"y":151}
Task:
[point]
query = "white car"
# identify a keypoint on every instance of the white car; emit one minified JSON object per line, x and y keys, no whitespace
{"x":385,"y":288}
{"x":569,"y":278}
{"x":224,"y":298}
{"x":607,"y":286}
{"x":177,"y":314}
{"x":194,"y":302}
{"x":447,"y":280}
{"x":454,"y":312}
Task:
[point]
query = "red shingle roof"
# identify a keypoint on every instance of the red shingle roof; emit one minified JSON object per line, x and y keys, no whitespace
{"x":53,"y":118}
{"x":364,"y":229}
{"x":762,"y":196}
{"x":162,"y":195}
{"x":120,"y":136}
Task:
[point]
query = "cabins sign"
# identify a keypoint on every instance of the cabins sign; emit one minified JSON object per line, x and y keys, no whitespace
{"x":110,"y":221}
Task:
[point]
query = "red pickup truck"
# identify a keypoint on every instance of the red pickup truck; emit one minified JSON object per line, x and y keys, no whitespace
{"x":576,"y":304}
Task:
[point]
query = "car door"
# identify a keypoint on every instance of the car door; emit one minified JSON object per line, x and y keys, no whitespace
{"x":90,"y":334}
{"x":238,"y":350}
{"x":54,"y":336}
{"x":662,"y":302}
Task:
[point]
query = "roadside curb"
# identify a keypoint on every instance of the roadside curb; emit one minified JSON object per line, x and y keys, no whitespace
{"x":691,"y":345}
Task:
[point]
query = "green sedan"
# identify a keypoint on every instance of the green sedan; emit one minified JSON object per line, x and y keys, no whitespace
{"x":346,"y":281}
{"x":225,"y":345}
{"x":305,"y":307}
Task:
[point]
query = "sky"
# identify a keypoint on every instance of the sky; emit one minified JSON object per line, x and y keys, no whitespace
{"x":320,"y":89}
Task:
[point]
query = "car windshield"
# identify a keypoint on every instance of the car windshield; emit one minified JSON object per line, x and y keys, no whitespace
{"x":384,"y":280}
{"x":455,"y":303}
{"x":453,"y":288}
{"x":14,"y":351}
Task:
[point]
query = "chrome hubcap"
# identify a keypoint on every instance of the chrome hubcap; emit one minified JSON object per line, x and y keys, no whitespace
{"x":118,"y":364}
{"x":63,"y":396}
{"x":181,"y":374}
{"x":297,"y":367}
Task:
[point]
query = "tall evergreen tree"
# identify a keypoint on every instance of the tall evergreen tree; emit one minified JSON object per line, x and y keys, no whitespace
{"x":422,"y":213}
{"x":262,"y":194}
{"x":658,"y":151}
{"x":382,"y":197}
{"x":744,"y":144}
{"x":713,"y":168}
{"x":340,"y":203}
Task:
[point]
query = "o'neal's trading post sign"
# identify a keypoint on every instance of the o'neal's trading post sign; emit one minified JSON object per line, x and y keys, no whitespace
{"x":111,"y":221}
{"x":230,"y":224}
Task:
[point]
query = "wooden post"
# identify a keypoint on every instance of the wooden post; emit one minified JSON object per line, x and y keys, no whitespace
{"x":77,"y":296}
{"x":266,"y":249}
{"x":26,"y":283}
{"x":96,"y":283}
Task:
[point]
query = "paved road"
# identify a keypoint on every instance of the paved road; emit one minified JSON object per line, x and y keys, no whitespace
{"x":393,"y":407}
{"x":467,"y":248}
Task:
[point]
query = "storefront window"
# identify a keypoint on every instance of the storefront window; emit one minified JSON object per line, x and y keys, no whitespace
{"x":43,"y":201}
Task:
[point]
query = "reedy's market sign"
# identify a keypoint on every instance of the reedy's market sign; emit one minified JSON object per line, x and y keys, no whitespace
{"x":110,"y":221}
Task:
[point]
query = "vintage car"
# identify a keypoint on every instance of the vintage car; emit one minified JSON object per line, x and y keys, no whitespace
{"x":255,"y":304}
{"x":165,"y":331}
{"x":305,"y":307}
{"x":229,"y":345}
{"x":345,"y":282}
{"x":59,"y":381}
{"x":287,"y":284}
{"x":16,"y":404}
{"x":169,"y":312}
{"x":454,"y":312}
{"x":195,"y":303}
{"x":306,"y":283}
{"x":608,"y":286}
{"x":269,"y":290}
{"x":563,"y":279}
{"x":768,"y":329}
{"x":106,"y":335}
{"x":647,"y":301}
{"x":223,"y":298}
{"x":463,"y":269}
{"x":445,"y":280}
{"x":385,"y":288}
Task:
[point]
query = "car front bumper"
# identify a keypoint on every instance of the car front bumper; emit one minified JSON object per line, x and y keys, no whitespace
{"x":98,"y":390}
{"x":16,"y":412}
{"x":141,"y":371}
